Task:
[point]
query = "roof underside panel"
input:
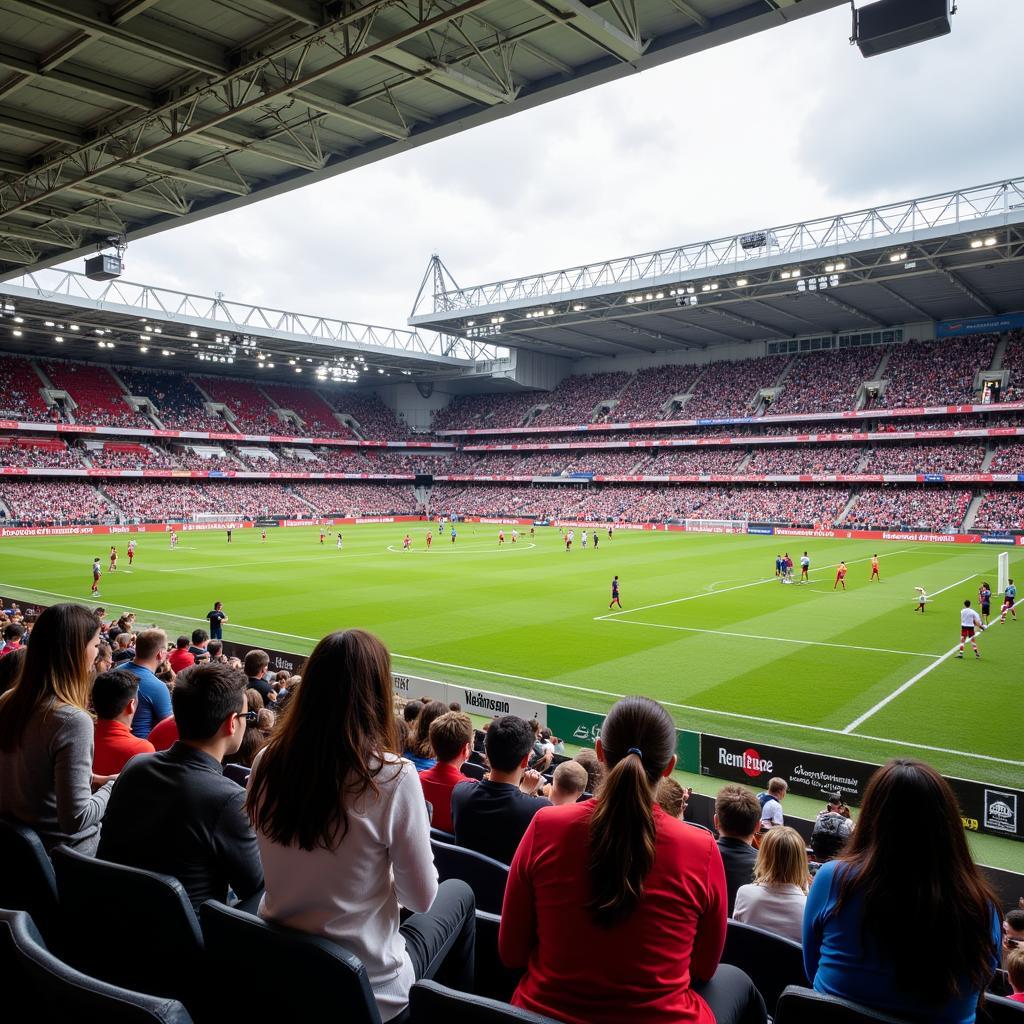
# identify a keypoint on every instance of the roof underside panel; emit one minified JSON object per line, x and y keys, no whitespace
{"x":131,"y":116}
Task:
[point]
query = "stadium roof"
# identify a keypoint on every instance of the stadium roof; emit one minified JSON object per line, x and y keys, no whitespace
{"x":64,"y":314}
{"x":125,"y":117}
{"x":944,"y":256}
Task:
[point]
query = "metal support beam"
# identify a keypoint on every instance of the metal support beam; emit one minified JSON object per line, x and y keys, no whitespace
{"x":582,"y":19}
{"x":746,"y":321}
{"x":308,"y":12}
{"x":784,"y":312}
{"x":457,"y":80}
{"x":849,"y":309}
{"x":906,"y":302}
{"x":958,"y":282}
{"x":193,"y":176}
{"x":691,"y":12}
{"x":40,"y":127}
{"x":318,"y":101}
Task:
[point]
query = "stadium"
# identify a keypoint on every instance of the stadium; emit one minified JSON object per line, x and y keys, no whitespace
{"x":761,"y":479}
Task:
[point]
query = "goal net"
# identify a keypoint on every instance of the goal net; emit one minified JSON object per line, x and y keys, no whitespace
{"x":716,"y":525}
{"x":1004,"y":570}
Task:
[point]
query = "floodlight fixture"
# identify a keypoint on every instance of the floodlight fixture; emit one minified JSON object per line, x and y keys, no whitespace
{"x":991,"y":240}
{"x":741,"y":282}
{"x":976,"y":243}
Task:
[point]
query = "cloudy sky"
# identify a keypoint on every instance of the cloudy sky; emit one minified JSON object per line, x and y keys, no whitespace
{"x":787,"y":125}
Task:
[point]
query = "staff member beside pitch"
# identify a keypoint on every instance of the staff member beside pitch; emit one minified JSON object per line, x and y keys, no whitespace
{"x":969,"y":621}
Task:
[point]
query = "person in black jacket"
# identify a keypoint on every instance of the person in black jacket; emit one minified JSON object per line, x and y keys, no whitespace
{"x":737,"y":816}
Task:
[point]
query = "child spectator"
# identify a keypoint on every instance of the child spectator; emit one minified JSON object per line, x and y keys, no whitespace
{"x":568,"y":783}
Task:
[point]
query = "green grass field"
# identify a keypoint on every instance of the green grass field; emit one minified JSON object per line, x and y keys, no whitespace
{"x":705,"y":627}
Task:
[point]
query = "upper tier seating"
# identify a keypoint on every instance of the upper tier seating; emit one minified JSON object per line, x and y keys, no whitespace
{"x":575,"y":398}
{"x":465,"y":412}
{"x":36,"y":452}
{"x":649,"y":390}
{"x":311,"y":408}
{"x":376,"y":420}
{"x":935,"y":372}
{"x":19,"y":392}
{"x":1001,"y":510}
{"x":179,"y":403}
{"x":54,"y":500}
{"x":826,"y":381}
{"x":253,"y":411}
{"x":728,"y":389}
{"x":98,"y":396}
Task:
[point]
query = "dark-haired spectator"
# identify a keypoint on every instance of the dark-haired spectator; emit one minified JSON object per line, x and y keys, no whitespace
{"x":339,"y":860}
{"x":154,"y":696}
{"x":46,"y":734}
{"x":12,"y":635}
{"x":411,"y":710}
{"x":451,"y":738}
{"x":420,"y":752}
{"x":175,"y":812}
{"x":215,"y":649}
{"x":1013,"y":930}
{"x":198,"y":647}
{"x":737,"y":819}
{"x":11,"y":666}
{"x":775,"y":899}
{"x":454,"y":706}
{"x":255,"y":701}
{"x":402,"y":731}
{"x":830,"y":834}
{"x":115,"y":700}
{"x":255,"y":667}
{"x":181,"y":658}
{"x":257,"y":736}
{"x":491,"y":816}
{"x":873,"y":929}
{"x":615,"y":910}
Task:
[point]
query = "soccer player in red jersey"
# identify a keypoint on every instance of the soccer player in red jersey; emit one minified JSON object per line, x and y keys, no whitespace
{"x":840,"y":576}
{"x":263,"y":536}
{"x":407,"y":543}
{"x":113,"y":559}
{"x":430,"y":538}
{"x":322,"y":535}
{"x":874,"y":570}
{"x":501,"y":537}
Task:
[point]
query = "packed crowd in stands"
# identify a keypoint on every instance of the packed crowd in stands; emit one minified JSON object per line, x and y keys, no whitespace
{"x":97,"y":395}
{"x":158,"y":500}
{"x":925,"y":458}
{"x":496,"y":499}
{"x":691,"y":460}
{"x":465,"y":412}
{"x":1013,"y":360}
{"x":613,"y":461}
{"x":253,"y":412}
{"x":650,"y":389}
{"x":826,"y":381}
{"x":317,"y":416}
{"x":1001,"y":510}
{"x":188,"y":458}
{"x":935,"y":372}
{"x":179,"y":403}
{"x":116,"y":455}
{"x":376,"y":420}
{"x":818,"y":458}
{"x":909,"y":508}
{"x":54,"y":501}
{"x":369,"y":499}
{"x":730,"y":388}
{"x":19,"y":392}
{"x":1008,"y":458}
{"x":35,"y":453}
{"x":543,"y":463}
{"x":575,"y":399}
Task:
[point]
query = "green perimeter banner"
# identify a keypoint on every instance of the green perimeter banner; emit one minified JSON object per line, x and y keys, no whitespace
{"x":584,"y":728}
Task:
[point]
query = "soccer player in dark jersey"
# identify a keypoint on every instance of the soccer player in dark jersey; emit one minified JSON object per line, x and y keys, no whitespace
{"x":778,"y":565}
{"x":596,"y":538}
{"x":615,"y":593}
{"x":1009,"y":600}
{"x":229,"y":536}
{"x":985,"y":599}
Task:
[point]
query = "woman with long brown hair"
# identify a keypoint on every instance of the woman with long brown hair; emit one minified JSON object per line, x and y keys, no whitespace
{"x":904,"y":921}
{"x":616,"y":909}
{"x":420,"y":752}
{"x":46,"y":734}
{"x":342,"y":827}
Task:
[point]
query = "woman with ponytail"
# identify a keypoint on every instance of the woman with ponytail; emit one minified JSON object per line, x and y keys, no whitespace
{"x":614,"y":908}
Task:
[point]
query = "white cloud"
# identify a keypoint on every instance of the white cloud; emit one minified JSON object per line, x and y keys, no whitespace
{"x":787,"y":125}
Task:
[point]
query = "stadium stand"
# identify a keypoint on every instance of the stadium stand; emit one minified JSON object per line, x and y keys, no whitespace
{"x":826,"y":381}
{"x":646,"y":396}
{"x":730,"y":388}
{"x":128,"y":455}
{"x":179,"y":403}
{"x":98,"y":396}
{"x":36,"y":452}
{"x":154,"y":500}
{"x":819,"y":458}
{"x":357,"y":499}
{"x":253,"y":411}
{"x":1008,"y":459}
{"x":576,"y":398}
{"x":909,"y":508}
{"x":317,"y":416}
{"x":935,"y":373}
{"x":20,"y":397}
{"x":377,"y":422}
{"x":54,"y":501}
{"x":1001,"y":511}
{"x":965,"y":457}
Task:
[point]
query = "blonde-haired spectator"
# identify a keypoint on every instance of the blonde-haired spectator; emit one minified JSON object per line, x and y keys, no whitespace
{"x":775,"y":899}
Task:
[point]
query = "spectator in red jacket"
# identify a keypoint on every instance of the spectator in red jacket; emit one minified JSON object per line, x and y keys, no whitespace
{"x":115,"y":697}
{"x":451,"y":739}
{"x":617,"y":910}
{"x":181,"y":658}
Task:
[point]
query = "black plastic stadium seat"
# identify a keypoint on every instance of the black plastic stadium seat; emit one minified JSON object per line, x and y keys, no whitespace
{"x":442,"y":836}
{"x":770,"y":961}
{"x":805,"y":1006}
{"x":431,"y":1003}
{"x":237,"y":773}
{"x":491,"y":977}
{"x":39,"y":987}
{"x":312,"y":976}
{"x":998,"y":1010}
{"x":484,"y":875}
{"x":130,"y":927}
{"x":473,"y":771}
{"x":27,"y":881}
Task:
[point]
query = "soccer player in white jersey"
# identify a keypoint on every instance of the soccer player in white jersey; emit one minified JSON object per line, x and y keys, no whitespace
{"x":970,"y":620}
{"x":583,"y":540}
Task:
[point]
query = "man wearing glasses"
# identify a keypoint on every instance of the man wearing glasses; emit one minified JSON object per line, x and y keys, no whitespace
{"x":174,"y":811}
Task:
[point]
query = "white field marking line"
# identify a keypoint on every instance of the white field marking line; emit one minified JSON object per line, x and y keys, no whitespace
{"x":468,"y":549}
{"x":582,"y":689}
{"x":741,"y":586}
{"x":861,"y":719}
{"x":935,"y":593}
{"x":777,"y":639}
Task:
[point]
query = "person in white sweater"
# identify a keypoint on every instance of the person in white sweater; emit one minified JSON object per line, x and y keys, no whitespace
{"x":343,"y":832}
{"x":775,"y":899}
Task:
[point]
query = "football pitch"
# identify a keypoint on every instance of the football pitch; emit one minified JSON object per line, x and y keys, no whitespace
{"x":705,"y":626}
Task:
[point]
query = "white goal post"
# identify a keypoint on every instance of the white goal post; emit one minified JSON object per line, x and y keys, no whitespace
{"x":1004,"y":570}
{"x":716,"y":525}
